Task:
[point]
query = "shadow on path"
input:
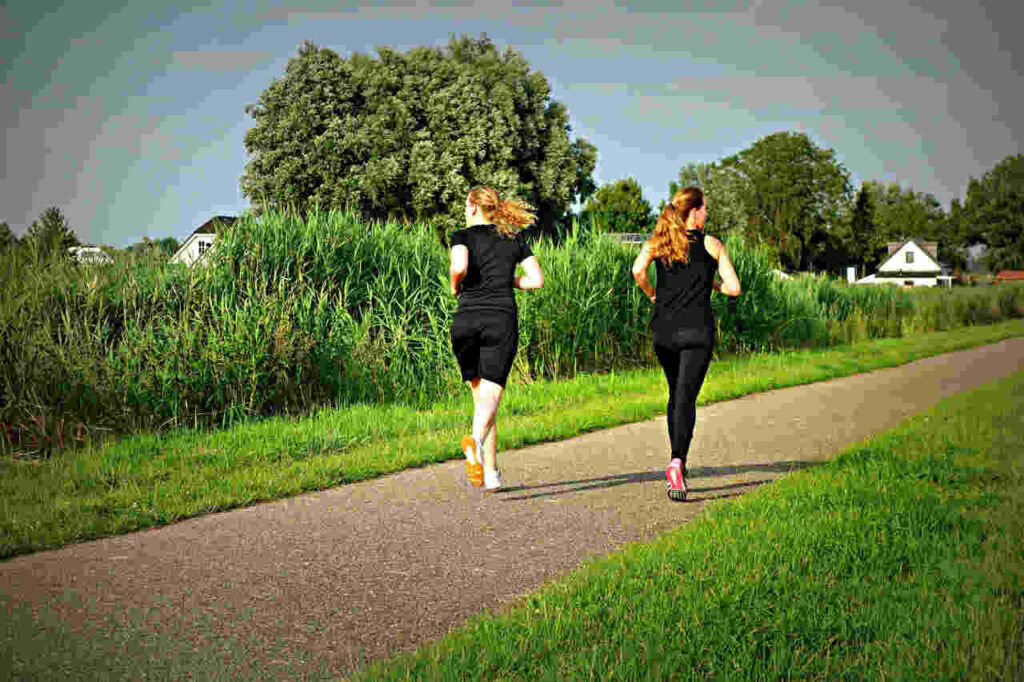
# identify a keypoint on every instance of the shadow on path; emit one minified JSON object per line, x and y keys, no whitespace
{"x":580,"y":485}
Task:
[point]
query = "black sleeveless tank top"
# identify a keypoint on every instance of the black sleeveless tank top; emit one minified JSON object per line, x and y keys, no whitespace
{"x":683,"y":291}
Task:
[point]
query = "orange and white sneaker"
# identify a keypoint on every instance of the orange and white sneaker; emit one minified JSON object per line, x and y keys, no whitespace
{"x":474,"y":460}
{"x":676,"y":483}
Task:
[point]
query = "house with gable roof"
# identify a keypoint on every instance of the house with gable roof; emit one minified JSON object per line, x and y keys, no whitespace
{"x":911,"y":263}
{"x":201,"y":240}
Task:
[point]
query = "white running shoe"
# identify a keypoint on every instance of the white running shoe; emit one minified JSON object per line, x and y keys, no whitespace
{"x":492,"y":480}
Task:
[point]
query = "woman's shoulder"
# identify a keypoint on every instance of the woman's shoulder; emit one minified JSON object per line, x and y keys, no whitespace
{"x":456,"y":237}
{"x":462,"y":233}
{"x":713,"y":245}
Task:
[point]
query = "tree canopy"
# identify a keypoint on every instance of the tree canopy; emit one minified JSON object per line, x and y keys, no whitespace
{"x":166,"y":246}
{"x":619,"y":206}
{"x":407,"y":135}
{"x":863,"y":240}
{"x":50,"y":234}
{"x":724,"y":191}
{"x":993,"y":214}
{"x":901,"y":214}
{"x":796,"y":195}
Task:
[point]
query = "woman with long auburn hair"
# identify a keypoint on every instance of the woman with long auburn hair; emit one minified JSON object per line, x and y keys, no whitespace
{"x":683,"y":324}
{"x":485,"y":328}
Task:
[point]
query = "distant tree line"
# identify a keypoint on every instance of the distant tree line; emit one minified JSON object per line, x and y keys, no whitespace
{"x":786,"y":192}
{"x":51,"y":236}
{"x":404,"y":136}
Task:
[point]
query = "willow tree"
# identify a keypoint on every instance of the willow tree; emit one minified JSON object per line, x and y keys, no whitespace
{"x":725,"y":191}
{"x":406,"y":135}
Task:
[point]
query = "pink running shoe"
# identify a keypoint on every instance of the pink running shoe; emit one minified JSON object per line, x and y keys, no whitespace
{"x":676,"y":483}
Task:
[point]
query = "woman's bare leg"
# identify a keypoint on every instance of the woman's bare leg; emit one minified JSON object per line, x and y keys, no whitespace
{"x":486,"y":398}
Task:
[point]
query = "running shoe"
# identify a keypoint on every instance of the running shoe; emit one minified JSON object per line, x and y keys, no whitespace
{"x":676,"y":483}
{"x":492,"y":481}
{"x":474,"y":460}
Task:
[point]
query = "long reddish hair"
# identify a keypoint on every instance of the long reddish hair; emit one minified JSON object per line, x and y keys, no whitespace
{"x":508,"y":215}
{"x":669,"y":243}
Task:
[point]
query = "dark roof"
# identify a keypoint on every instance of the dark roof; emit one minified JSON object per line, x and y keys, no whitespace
{"x":210,"y":226}
{"x":930,"y":248}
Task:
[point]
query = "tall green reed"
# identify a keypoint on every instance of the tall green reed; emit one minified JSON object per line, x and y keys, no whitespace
{"x":290,"y":313}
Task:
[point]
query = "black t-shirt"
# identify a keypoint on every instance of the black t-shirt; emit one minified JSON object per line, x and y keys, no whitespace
{"x":683,"y":293}
{"x":489,"y":282}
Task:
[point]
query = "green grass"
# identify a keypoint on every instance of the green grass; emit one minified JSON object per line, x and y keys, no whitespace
{"x":151,"y":480}
{"x":901,"y":559}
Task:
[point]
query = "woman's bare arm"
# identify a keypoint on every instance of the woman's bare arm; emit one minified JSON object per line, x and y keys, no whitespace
{"x":458,"y":267}
{"x":534,"y":278}
{"x":643,"y":260}
{"x":730,"y":284}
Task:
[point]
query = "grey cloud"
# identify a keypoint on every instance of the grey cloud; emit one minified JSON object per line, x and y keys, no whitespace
{"x":44,"y":158}
{"x":220,"y":60}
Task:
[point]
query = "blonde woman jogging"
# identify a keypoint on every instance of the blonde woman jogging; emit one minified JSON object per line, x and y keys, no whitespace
{"x":485,"y":328}
{"x":683,"y":324}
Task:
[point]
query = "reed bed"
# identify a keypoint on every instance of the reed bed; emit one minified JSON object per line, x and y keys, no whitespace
{"x":291,"y":314}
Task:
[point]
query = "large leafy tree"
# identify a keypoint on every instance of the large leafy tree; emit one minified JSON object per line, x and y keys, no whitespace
{"x":407,"y":135}
{"x":619,"y":206}
{"x":797,"y":196}
{"x":51,"y":234}
{"x":993,"y":214}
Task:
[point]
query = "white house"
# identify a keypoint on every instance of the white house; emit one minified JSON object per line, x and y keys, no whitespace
{"x":911,"y":263}
{"x":89,"y":255}
{"x":201,"y":240}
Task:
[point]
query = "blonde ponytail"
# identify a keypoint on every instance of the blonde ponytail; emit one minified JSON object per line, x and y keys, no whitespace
{"x":508,"y":216}
{"x":669,"y":242}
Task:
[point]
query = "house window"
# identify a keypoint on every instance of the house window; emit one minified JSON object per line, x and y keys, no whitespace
{"x":203,"y":246}
{"x":910,"y":256}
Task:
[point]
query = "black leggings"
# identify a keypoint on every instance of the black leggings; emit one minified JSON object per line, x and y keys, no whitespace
{"x":685,"y":361}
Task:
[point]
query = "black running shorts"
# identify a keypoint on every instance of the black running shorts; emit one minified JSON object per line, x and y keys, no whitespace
{"x":485,"y":343}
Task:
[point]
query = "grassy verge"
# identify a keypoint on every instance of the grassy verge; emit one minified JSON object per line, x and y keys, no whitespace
{"x":901,"y":559}
{"x":145,"y":481}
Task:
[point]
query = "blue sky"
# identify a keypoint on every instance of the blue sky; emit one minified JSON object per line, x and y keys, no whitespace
{"x":130,"y":118}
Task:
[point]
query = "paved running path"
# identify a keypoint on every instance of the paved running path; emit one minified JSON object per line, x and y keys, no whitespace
{"x":311,"y":586}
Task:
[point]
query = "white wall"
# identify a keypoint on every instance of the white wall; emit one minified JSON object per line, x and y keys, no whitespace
{"x":192,"y":249}
{"x":921,"y":260}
